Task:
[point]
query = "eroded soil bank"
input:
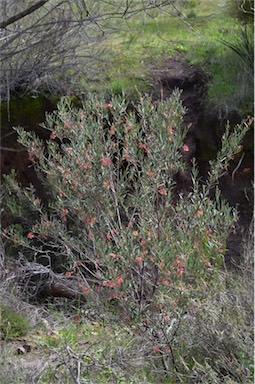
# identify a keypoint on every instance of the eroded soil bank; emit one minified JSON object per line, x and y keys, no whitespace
{"x":204,"y":140}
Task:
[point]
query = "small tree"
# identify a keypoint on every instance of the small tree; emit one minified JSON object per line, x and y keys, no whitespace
{"x":110,"y":201}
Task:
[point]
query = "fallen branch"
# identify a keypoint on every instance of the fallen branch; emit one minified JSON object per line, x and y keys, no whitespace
{"x":38,"y":281}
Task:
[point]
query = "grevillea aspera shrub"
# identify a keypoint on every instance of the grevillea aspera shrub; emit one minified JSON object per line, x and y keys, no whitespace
{"x":108,"y":171}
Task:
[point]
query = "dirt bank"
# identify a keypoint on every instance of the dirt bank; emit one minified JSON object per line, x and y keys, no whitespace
{"x":203,"y":140}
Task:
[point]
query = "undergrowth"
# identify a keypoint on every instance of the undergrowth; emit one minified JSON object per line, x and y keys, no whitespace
{"x":210,"y":342}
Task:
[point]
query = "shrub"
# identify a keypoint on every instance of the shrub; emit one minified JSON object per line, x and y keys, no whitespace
{"x":111,"y":209}
{"x":109,"y":172}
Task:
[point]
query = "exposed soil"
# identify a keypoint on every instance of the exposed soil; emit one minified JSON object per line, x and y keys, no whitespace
{"x":203,"y":140}
{"x":193,"y":85}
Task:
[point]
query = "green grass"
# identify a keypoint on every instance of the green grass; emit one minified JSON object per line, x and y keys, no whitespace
{"x":149,"y":40}
{"x":231,"y":84}
{"x":12,"y":324}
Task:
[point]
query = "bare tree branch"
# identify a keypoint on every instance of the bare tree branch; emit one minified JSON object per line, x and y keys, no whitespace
{"x":60,"y":43}
{"x":23,"y":14}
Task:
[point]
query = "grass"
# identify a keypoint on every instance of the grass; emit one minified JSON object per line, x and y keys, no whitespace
{"x":195,"y":36}
{"x":231,"y":85}
{"x":12,"y":324}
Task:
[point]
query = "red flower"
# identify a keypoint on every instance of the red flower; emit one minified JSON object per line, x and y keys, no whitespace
{"x":107,"y":185}
{"x":114,"y":295}
{"x":127,"y":157}
{"x":180,"y":271}
{"x":85,"y":165}
{"x":68,"y":274}
{"x":165,"y":282}
{"x":105,"y":161}
{"x":199,"y":212}
{"x":156,"y":349}
{"x":30,"y":235}
{"x":110,"y":284}
{"x":113,"y":255}
{"x":85,"y":290}
{"x":129,"y":127}
{"x":144,"y":147}
{"x":108,"y":105}
{"x":185,"y":148}
{"x":162,"y":191}
{"x":66,"y":124}
{"x":119,"y":281}
{"x":113,"y":283}
{"x":109,"y":235}
{"x":53,"y":135}
{"x":68,"y":150}
{"x":170,"y":131}
{"x":89,"y":219}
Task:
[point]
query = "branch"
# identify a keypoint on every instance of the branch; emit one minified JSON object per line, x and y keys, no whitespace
{"x":38,"y":281}
{"x":11,"y":149}
{"x":23,"y":14}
